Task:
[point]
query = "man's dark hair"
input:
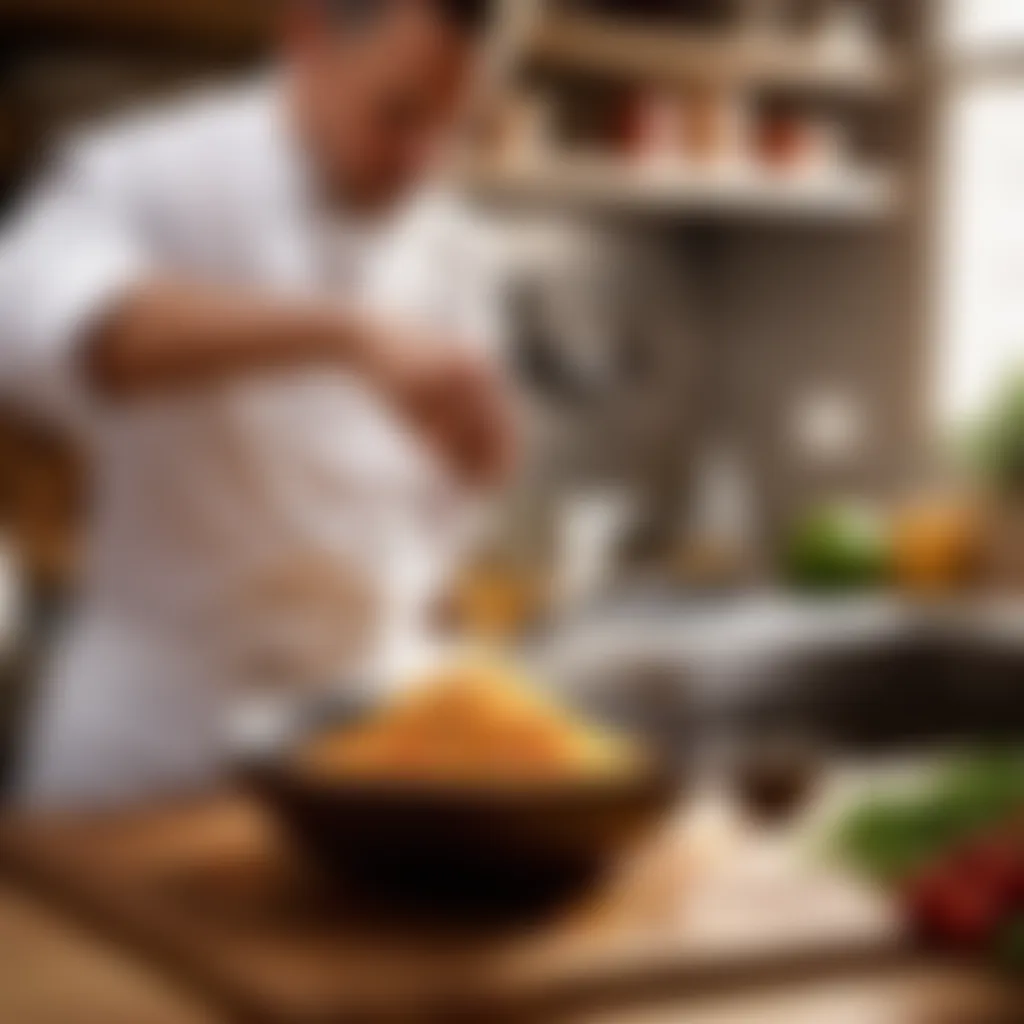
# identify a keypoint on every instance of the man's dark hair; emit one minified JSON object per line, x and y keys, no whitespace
{"x":470,"y":16}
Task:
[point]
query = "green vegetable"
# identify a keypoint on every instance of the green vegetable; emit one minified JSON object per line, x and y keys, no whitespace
{"x":838,"y":546}
{"x":888,"y":838}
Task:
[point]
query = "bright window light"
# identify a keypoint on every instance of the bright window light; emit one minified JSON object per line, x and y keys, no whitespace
{"x":981,"y":267}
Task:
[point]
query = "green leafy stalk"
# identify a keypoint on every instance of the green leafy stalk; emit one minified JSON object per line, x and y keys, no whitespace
{"x":889,"y":838}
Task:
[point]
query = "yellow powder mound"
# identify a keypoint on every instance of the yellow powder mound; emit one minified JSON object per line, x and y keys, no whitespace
{"x":472,"y":723}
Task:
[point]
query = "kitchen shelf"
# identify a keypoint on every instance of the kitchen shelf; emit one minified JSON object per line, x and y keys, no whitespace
{"x":608,"y":185}
{"x":602,"y":46}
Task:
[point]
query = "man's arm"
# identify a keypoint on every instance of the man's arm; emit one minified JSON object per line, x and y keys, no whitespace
{"x":85,"y":313}
{"x":163,"y":335}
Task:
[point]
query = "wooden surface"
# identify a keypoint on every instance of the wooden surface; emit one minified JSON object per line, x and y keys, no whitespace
{"x":923,"y":995}
{"x":52,"y":971}
{"x":212,"y":893}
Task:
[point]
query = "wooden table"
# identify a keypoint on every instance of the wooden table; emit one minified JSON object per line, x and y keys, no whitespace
{"x":209,"y":896}
{"x":52,"y":971}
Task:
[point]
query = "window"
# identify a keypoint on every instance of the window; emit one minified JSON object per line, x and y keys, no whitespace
{"x":981,"y":293}
{"x":972,"y":25}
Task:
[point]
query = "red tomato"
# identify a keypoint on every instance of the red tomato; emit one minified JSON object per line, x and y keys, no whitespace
{"x":994,"y":862}
{"x":953,"y":911}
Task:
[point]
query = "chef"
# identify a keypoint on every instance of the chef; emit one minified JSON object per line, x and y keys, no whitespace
{"x":275,"y":337}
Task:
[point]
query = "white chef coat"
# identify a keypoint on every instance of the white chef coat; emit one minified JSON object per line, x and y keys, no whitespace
{"x":282,"y":531}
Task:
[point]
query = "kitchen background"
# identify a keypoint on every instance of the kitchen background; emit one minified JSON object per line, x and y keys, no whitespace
{"x":761,"y":260}
{"x":764,"y":291}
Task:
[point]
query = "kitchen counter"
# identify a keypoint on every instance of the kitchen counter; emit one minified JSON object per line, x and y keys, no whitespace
{"x":53,"y":972}
{"x":709,"y":926}
{"x":209,"y":890}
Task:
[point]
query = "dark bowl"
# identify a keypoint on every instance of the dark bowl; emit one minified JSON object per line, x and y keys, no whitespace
{"x":460,"y":849}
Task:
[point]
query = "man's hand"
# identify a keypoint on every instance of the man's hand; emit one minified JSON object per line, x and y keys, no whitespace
{"x":165,"y":335}
{"x":451,"y":397}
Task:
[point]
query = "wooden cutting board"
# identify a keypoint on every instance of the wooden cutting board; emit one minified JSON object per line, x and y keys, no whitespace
{"x":213,"y":892}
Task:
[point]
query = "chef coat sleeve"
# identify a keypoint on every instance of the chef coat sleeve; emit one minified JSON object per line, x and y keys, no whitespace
{"x":65,"y":258}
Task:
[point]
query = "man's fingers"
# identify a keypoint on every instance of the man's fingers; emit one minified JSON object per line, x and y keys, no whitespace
{"x":461,"y":407}
{"x":473,"y":419}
